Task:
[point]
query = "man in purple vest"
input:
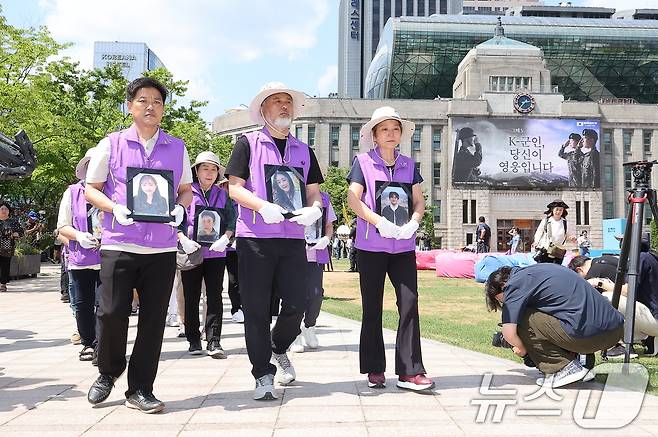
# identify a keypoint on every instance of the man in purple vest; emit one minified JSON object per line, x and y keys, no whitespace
{"x":135,"y":255}
{"x":84,"y":259}
{"x":271,"y":248}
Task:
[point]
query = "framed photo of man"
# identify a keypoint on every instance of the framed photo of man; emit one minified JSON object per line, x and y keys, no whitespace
{"x":285,"y":187}
{"x":95,"y":221}
{"x":394,"y":201}
{"x":150,"y":194}
{"x":209,"y":225}
{"x":315,"y":231}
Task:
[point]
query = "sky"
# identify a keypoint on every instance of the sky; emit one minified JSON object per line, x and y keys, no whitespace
{"x":227,"y":49}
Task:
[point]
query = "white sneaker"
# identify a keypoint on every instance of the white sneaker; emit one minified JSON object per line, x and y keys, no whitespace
{"x":172,"y":320}
{"x":286,"y":372}
{"x":181,"y":331}
{"x":238,"y":317}
{"x":309,"y":337}
{"x":297,"y":346}
{"x":264,"y":390}
{"x":570,"y":373}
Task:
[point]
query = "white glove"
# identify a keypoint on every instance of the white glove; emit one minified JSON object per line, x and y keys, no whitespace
{"x":407,"y":230}
{"x":271,"y":213}
{"x":387,"y":229}
{"x":121,"y":213}
{"x":189,"y":246}
{"x":220,"y":245}
{"x":322,"y":243}
{"x":306,"y":216}
{"x":178,"y":212}
{"x":86,"y":240}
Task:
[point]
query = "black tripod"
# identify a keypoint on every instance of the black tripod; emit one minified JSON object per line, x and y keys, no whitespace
{"x":629,"y":260}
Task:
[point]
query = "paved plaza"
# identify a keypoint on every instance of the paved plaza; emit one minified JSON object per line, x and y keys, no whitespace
{"x":43,"y":386}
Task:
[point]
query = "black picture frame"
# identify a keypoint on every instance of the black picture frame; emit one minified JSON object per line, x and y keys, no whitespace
{"x":94,"y":221}
{"x":382,"y":202}
{"x":219,"y":229}
{"x":294,"y":176}
{"x":316,"y":231}
{"x":159,"y":211}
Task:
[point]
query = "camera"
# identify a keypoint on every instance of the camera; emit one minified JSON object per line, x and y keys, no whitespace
{"x":497,"y":340}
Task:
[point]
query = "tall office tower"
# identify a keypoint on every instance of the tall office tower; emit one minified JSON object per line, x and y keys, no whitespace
{"x":134,"y":57}
{"x":360,"y":26}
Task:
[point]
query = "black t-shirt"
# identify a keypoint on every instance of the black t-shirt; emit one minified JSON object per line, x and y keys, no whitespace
{"x":356,"y":175}
{"x":238,"y":164}
{"x":603,"y":267}
{"x":487,"y":232}
{"x":562,"y":293}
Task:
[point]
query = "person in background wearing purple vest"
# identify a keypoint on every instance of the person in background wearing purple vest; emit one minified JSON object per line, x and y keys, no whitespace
{"x":84,"y":259}
{"x":271,"y":248}
{"x":384,"y":248}
{"x":316,"y":255}
{"x":137,"y":255}
{"x":207,"y":171}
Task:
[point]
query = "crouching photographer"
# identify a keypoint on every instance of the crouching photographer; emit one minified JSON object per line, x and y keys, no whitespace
{"x":551,"y":314}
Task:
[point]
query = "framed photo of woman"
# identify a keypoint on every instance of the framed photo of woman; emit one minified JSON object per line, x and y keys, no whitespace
{"x":394,"y":201}
{"x":150,"y":194}
{"x":285,"y":187}
{"x":209,"y":225}
{"x":315,"y":231}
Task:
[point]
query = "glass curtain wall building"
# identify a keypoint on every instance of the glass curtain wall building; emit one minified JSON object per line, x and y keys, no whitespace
{"x":589,"y":59}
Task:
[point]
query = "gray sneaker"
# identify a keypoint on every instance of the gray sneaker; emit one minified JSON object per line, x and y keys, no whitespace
{"x":572,"y":372}
{"x":286,"y":371}
{"x":264,"y":390}
{"x":618,"y":352}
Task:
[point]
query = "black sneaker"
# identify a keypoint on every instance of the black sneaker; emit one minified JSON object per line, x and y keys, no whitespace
{"x":650,"y":346}
{"x":94,"y":357}
{"x":144,"y":402}
{"x":214,"y":349}
{"x":195,"y":348}
{"x":100,"y":389}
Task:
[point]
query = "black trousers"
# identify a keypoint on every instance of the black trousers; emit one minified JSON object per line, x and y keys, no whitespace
{"x":544,"y":258}
{"x":314,"y":293}
{"x":233,"y":281}
{"x":153,"y":276}
{"x":266,"y":265}
{"x":211,"y":270}
{"x":85,"y":282}
{"x":401,"y":270}
{"x":63,"y":278}
{"x":5,"y":262}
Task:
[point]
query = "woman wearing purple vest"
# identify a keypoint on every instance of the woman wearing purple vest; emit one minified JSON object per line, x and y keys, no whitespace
{"x":316,"y":256}
{"x":84,"y":258}
{"x":384,"y":248}
{"x":271,"y":248}
{"x":207,"y":170}
{"x":135,"y":255}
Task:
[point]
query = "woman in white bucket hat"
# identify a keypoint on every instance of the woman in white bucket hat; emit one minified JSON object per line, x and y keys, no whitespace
{"x":379,"y":176}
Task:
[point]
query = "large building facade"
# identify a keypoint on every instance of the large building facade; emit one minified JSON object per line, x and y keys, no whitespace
{"x":134,"y":58}
{"x":514,"y":182}
{"x":495,"y":7}
{"x":360,"y":23}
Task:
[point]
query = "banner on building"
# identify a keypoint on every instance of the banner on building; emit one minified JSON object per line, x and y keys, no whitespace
{"x":526,"y":153}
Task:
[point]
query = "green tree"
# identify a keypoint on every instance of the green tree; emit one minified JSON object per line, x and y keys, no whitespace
{"x":426,"y":227}
{"x":335,"y":183}
{"x":654,"y":235}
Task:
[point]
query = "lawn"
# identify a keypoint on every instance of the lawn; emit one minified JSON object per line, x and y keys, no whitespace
{"x":451,"y":311}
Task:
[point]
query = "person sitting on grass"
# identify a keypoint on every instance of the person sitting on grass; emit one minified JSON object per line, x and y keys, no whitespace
{"x":552,"y":314}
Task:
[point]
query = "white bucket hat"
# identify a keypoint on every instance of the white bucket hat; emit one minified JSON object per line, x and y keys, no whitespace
{"x":81,"y":168}
{"x":272,"y":88}
{"x":208,"y":157}
{"x":382,"y":114}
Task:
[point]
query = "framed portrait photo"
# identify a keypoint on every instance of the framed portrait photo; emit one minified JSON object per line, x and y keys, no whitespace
{"x":150,"y":194}
{"x":95,"y":221}
{"x":209,"y":225}
{"x":315,"y":231}
{"x":394,"y":201}
{"x":285,"y":187}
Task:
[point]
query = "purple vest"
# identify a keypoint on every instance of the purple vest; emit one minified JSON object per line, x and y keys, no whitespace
{"x":127,"y":151}
{"x":263,"y":151}
{"x":322,"y":256}
{"x":374,"y":169}
{"x":216,"y":199}
{"x":78,"y":255}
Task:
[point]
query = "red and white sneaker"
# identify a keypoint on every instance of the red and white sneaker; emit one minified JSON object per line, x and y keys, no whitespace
{"x":415,"y":382}
{"x":376,"y":380}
